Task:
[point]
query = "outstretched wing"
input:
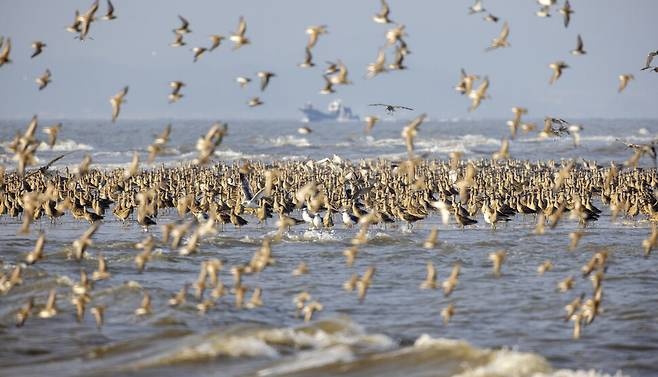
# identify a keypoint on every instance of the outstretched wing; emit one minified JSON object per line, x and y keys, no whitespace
{"x":403,"y":107}
{"x":378,"y":104}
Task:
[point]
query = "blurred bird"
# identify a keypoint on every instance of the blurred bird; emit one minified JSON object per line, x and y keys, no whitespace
{"x":623,"y":81}
{"x":557,"y":68}
{"x":579,"y":50}
{"x":38,"y":48}
{"x":116,"y":102}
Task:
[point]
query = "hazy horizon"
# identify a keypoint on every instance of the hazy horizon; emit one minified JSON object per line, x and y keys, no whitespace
{"x":134,"y":50}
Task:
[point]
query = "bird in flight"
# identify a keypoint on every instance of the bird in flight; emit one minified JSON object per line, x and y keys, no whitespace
{"x":391,"y":108}
{"x":650,"y":57}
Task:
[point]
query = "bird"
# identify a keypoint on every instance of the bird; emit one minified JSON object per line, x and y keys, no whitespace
{"x":497,"y":258}
{"x":476,"y":8}
{"x":623,"y":81}
{"x":216,"y":40}
{"x":328,"y":86}
{"x":178,"y":41}
{"x":184,"y":28}
{"x":557,"y":68}
{"x":109,"y":15}
{"x":370,"y":120}
{"x":198,"y":51}
{"x":547,"y":265}
{"x":101,"y":273}
{"x":364,"y":282}
{"x":579,"y":50}
{"x":382,"y":16}
{"x":238,"y":38}
{"x":117,"y":100}
{"x":265,"y":77}
{"x":145,"y":307}
{"x":250,"y":200}
{"x":430,"y":279}
{"x":52,"y":133}
{"x":256,"y":101}
{"x":490,"y":17}
{"x":308,"y":59}
{"x":24,"y":312}
{"x":44,"y":79}
{"x":175,"y":95}
{"x":243,"y":81}
{"x":477,"y":95}
{"x":447,"y":313}
{"x":98,"y":313}
{"x":51,"y":307}
{"x":501,"y":40}
{"x":38,"y":48}
{"x":647,"y":65}
{"x":431,"y":240}
{"x":37,"y":253}
{"x":391,"y":108}
{"x":566,"y":12}
{"x":566,"y":284}
{"x":4,"y":52}
{"x":451,"y":282}
{"x":301,"y":269}
{"x":314,"y":32}
{"x":378,"y":66}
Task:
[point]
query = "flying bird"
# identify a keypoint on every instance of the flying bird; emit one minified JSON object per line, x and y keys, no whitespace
{"x":116,"y":102}
{"x":566,"y":12}
{"x":184,"y":28}
{"x":382,"y":16}
{"x":264,"y":78}
{"x":391,"y":108}
{"x":238,"y":38}
{"x":216,"y":41}
{"x":623,"y":81}
{"x":647,"y":65}
{"x":579,"y":50}
{"x":4,"y":53}
{"x":38,"y":48}
{"x":110,"y":12}
{"x":501,"y":40}
{"x":44,"y":79}
{"x":314,"y":32}
{"x":557,"y":68}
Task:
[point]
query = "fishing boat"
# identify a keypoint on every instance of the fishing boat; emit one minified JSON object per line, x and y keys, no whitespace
{"x":335,"y":112}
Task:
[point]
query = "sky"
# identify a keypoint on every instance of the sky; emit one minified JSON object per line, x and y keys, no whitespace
{"x":134,"y":50}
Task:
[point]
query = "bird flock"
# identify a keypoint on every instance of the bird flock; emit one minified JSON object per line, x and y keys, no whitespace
{"x":207,"y":194}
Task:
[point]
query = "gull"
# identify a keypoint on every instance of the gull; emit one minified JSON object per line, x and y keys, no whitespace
{"x":623,"y":81}
{"x":501,"y":40}
{"x":250,"y":201}
{"x":44,"y":79}
{"x":238,"y":38}
{"x":314,"y":32}
{"x":579,"y":47}
{"x":216,"y":41}
{"x":308,"y":59}
{"x":255,"y":102}
{"x":378,"y":66}
{"x":328,"y":86}
{"x":178,"y":41}
{"x":557,"y":68}
{"x":198,"y":51}
{"x":370,"y":122}
{"x":391,"y":108}
{"x":566,"y":12}
{"x":38,"y":48}
{"x":382,"y":16}
{"x":4,"y":53}
{"x":184,"y":27}
{"x":243,"y":81}
{"x":476,"y":8}
{"x":264,"y":78}
{"x":479,"y":94}
{"x":647,"y":65}
{"x":116,"y":102}
{"x":110,"y":12}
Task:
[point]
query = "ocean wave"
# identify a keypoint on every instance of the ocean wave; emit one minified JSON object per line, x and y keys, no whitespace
{"x":287,"y":140}
{"x":65,"y":145}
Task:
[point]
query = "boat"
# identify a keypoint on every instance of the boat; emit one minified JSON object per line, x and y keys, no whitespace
{"x":335,"y":112}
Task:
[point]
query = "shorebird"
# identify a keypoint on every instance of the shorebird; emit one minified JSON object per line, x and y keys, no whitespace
{"x":477,"y":95}
{"x":544,"y":11}
{"x":37,"y":253}
{"x":647,"y":65}
{"x":308,"y":59}
{"x":52,"y":134}
{"x":51,"y":307}
{"x":364,"y":282}
{"x":370,"y":120}
{"x":430,"y":279}
{"x":178,"y":41}
{"x":184,"y":28}
{"x":238,"y":37}
{"x":391,"y":108}
{"x":382,"y":16}
{"x":101,"y":273}
{"x":328,"y":86}
{"x":255,"y":102}
{"x":378,"y":66}
{"x":243,"y":81}
{"x":579,"y":50}
{"x":501,"y":40}
{"x":547,"y":265}
{"x":85,"y":20}
{"x":4,"y":52}
{"x":314,"y":32}
{"x":98,"y":312}
{"x":340,"y":78}
{"x":145,"y":307}
{"x":38,"y":48}
{"x":451,"y":282}
{"x":497,"y":258}
{"x":175,"y":95}
{"x":250,"y":200}
{"x":198,"y":51}
{"x":109,"y":15}
{"x":116,"y":102}
{"x":465,"y":84}
{"x":24,"y":312}
{"x":264,"y":78}
{"x":490,"y":17}
{"x":566,"y":12}
{"x":44,"y":79}
{"x":557,"y":68}
{"x":216,"y":40}
{"x":431,"y":240}
{"x":476,"y":8}
{"x":566,"y":284}
{"x":447,"y":313}
{"x":623,"y":81}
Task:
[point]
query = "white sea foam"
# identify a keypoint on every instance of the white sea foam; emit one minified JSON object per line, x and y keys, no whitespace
{"x":65,"y":145}
{"x":286,"y":140}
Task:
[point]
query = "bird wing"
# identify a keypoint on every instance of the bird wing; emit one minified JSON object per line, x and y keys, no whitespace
{"x":184,"y":22}
{"x":242,"y":26}
{"x":110,"y":7}
{"x":505,"y":32}
{"x":403,"y":107}
{"x":378,"y":104}
{"x":579,"y":44}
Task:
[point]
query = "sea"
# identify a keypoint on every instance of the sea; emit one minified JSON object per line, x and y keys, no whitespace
{"x":511,"y":325}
